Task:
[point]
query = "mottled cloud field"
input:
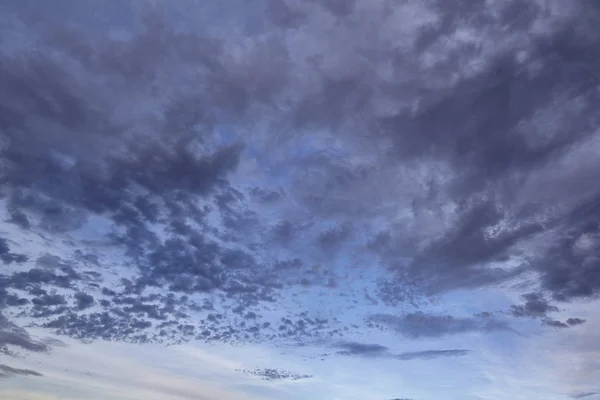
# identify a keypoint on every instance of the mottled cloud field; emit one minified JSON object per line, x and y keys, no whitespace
{"x":337,"y":199}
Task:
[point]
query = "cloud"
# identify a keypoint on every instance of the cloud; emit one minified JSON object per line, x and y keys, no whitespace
{"x":272,"y":374}
{"x":364,"y":349}
{"x":376,"y":350}
{"x":431,"y":354}
{"x":6,"y":371}
{"x":12,"y":335}
{"x":7,"y":257}
{"x":582,"y":395}
{"x":559,"y":324}
{"x":535,"y":306}
{"x":240,"y":167}
{"x":420,"y":324}
{"x":575,"y":321}
{"x":84,"y":300}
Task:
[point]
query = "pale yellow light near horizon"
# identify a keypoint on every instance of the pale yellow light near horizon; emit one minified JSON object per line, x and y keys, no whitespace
{"x":118,"y":371}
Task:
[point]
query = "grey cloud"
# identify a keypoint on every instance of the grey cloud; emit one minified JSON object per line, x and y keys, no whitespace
{"x":6,"y":371}
{"x":272,"y":374}
{"x":559,"y":324}
{"x":20,"y":219}
{"x":9,"y":257}
{"x":431,"y":354}
{"x":457,"y":166}
{"x":364,"y":349}
{"x":84,"y":300}
{"x":419,"y":324}
{"x":332,"y":237}
{"x":34,"y":277}
{"x":13,"y":335}
{"x":376,"y":350}
{"x":583,"y":395}
{"x":554,"y":323}
{"x":51,"y":261}
{"x":47,"y":300}
{"x":575,"y":321}
{"x":535,"y":306}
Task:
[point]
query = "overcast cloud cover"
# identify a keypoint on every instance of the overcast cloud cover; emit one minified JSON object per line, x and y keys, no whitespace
{"x":299,"y":199}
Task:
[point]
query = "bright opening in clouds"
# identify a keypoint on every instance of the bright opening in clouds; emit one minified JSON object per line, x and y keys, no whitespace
{"x":299,"y":199}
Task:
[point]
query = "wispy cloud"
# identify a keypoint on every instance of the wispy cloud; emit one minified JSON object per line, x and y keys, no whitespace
{"x":6,"y":371}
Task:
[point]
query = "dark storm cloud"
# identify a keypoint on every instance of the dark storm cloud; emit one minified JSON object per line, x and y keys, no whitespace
{"x":431,"y":354}
{"x":471,"y":166}
{"x":6,"y":371}
{"x":419,"y":324}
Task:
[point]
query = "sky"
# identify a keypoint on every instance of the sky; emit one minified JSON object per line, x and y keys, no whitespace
{"x":299,"y":199}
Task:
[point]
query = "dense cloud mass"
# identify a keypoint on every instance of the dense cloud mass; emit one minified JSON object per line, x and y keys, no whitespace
{"x":164,"y":180}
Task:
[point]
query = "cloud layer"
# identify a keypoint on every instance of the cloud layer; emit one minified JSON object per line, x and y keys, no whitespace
{"x":167,"y":179}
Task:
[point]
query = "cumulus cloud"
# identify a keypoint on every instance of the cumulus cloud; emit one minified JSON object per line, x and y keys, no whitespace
{"x":559,"y":324}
